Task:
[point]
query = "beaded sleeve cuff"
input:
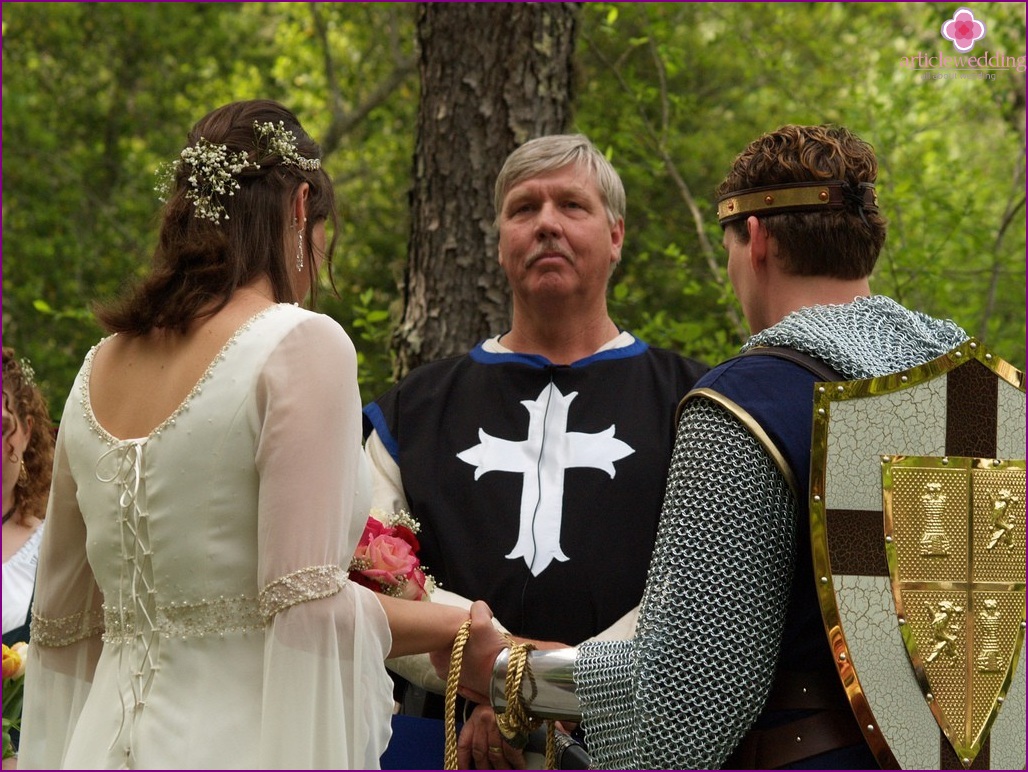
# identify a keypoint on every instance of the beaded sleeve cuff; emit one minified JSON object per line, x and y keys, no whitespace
{"x":64,"y":631}
{"x":300,"y":586}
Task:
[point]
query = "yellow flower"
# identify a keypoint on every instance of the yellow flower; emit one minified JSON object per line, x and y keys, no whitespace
{"x":15,"y":658}
{"x":13,"y":663}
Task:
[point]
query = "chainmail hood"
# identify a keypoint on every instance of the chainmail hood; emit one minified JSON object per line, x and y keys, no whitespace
{"x":866,"y":338}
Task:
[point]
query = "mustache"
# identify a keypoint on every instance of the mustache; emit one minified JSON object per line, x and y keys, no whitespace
{"x":548,"y":248}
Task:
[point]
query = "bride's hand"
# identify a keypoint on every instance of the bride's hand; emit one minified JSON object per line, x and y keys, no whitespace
{"x":483,"y":646}
{"x":480,"y":652}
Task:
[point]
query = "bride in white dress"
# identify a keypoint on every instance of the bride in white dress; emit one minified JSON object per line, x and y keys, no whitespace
{"x":193,"y":608}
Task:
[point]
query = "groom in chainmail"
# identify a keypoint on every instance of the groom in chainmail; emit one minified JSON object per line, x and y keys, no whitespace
{"x":730,"y":665}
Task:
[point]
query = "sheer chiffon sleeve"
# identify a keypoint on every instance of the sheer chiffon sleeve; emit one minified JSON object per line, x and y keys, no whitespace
{"x":67,"y":623}
{"x":327,"y":698}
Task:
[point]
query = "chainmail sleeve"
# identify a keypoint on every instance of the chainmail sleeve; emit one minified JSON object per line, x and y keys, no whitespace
{"x":684,"y":691}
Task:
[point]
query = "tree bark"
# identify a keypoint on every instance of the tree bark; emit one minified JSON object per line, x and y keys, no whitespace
{"x":493,"y":75}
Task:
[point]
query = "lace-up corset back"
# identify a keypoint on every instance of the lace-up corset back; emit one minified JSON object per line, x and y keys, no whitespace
{"x":199,"y":581}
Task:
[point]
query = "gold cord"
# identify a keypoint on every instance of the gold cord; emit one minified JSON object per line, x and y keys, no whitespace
{"x":452,"y":681}
{"x":516,"y":724}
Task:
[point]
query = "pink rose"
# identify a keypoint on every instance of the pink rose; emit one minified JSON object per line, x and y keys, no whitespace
{"x":386,"y":561}
{"x":372,"y":528}
{"x":408,"y":536}
{"x":390,"y":557}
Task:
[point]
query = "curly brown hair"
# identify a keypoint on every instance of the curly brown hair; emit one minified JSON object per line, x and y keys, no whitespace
{"x":198,"y":264}
{"x":24,"y":399}
{"x":840,"y":243}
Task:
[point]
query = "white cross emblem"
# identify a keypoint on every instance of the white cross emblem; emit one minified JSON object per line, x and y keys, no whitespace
{"x":541,"y":460}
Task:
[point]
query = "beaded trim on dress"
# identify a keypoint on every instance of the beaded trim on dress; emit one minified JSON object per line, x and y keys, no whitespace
{"x":64,"y":631}
{"x":167,"y":423}
{"x":300,"y":586}
{"x":186,"y":620}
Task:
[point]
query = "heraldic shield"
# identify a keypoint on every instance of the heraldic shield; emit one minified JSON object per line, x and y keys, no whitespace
{"x":917,"y":505}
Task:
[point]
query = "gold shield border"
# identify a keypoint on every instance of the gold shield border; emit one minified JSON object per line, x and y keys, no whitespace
{"x":825,"y":395}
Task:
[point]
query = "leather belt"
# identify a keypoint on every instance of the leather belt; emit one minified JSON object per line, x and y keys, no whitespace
{"x":806,"y":691}
{"x":778,"y":746}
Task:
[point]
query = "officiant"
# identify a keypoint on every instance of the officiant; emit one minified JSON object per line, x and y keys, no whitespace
{"x":536,"y":462}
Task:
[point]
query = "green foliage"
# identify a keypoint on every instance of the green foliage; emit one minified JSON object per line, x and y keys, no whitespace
{"x":97,"y":95}
{"x":694,"y":83}
{"x":371,"y":326}
{"x":91,"y":104}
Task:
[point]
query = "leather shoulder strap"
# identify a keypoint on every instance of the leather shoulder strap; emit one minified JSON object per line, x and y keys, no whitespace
{"x":814,"y":365}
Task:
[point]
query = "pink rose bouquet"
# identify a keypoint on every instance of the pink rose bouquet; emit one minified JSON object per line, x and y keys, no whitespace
{"x":386,"y":558}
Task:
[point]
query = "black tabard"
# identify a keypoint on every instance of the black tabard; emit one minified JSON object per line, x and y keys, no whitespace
{"x":516,"y":420}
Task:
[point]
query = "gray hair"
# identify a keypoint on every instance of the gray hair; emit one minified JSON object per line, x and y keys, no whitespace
{"x":546,"y":154}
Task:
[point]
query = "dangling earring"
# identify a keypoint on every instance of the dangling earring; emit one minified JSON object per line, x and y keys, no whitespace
{"x":299,"y":245}
{"x":23,"y":476}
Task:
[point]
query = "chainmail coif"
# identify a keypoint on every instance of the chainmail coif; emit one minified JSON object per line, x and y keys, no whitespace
{"x":863,"y":339}
{"x":684,"y":691}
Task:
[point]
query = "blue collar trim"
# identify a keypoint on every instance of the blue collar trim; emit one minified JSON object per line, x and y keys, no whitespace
{"x":480,"y":355}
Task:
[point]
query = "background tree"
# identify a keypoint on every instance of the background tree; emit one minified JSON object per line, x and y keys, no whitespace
{"x":96,"y":96}
{"x":493,"y":75}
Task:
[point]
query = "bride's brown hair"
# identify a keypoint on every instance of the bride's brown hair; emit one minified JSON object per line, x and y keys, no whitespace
{"x":199,"y":263}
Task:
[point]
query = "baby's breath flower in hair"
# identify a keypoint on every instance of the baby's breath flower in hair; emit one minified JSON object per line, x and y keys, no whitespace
{"x":282,"y":142}
{"x":27,"y":372}
{"x":212,"y":169}
{"x":28,"y":375}
{"x":211,"y":175}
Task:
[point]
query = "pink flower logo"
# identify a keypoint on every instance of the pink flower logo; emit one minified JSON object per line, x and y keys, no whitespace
{"x":963,"y":29}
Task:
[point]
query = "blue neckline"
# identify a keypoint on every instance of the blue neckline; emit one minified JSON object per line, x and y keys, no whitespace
{"x":482,"y":356}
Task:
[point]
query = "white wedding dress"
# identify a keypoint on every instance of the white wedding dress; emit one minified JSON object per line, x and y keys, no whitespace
{"x":192,"y":608}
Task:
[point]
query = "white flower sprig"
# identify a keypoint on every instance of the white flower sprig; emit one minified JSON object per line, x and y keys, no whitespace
{"x":281,"y":141}
{"x":27,"y":373}
{"x":213,"y":169}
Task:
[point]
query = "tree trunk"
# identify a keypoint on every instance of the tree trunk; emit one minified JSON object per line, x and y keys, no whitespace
{"x":493,"y":75}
